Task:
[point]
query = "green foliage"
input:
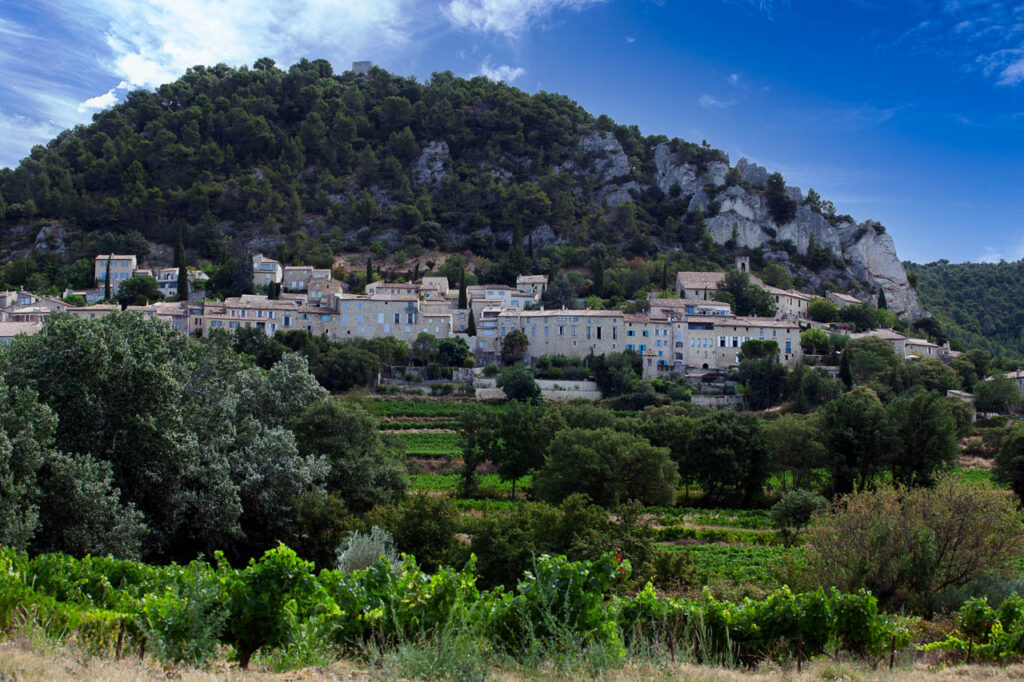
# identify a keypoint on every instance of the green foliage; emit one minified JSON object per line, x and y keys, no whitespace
{"x":909,"y":545}
{"x":999,"y":395}
{"x":856,"y":438}
{"x":969,"y":301}
{"x":794,"y":511}
{"x":781,"y":207}
{"x":514,"y":347}
{"x":745,"y":297}
{"x":138,"y":290}
{"x":608,"y":466}
{"x":518,"y":383}
{"x":728,"y":457}
{"x":261,"y":597}
{"x":1010,"y":459}
{"x":822,"y":310}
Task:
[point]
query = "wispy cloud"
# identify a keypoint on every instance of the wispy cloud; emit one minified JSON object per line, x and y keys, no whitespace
{"x":506,"y":17}
{"x":109,"y":98}
{"x":504,"y":72}
{"x":1009,"y":252}
{"x":712,"y":102}
{"x":154,"y":41}
{"x":984,"y":36}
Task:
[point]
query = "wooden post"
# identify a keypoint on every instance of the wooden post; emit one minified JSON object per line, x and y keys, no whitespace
{"x":892,"y":653}
{"x":799,"y":653}
{"x":142,"y":649}
{"x":120,"y":640}
{"x":970,"y":646}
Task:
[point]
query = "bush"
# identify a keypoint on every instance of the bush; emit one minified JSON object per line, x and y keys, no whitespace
{"x":362,"y":550}
{"x":906,"y":545}
{"x":795,"y":510}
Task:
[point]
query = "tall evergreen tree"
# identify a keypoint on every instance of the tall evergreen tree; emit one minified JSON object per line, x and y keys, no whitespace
{"x":844,"y":369}
{"x":181,"y":262}
{"x":106,"y":282}
{"x":462,"y":290}
{"x":664,"y":275}
{"x":471,"y":327}
{"x":598,"y":276}
{"x":369,"y":271}
{"x":882,"y":303}
{"x":416,"y":272}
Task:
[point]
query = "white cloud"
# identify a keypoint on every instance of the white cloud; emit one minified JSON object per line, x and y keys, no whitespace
{"x":18,"y":134}
{"x":501,"y":73}
{"x":107,"y":99}
{"x":630,"y":39}
{"x":734,"y":78}
{"x":1012,"y":74}
{"x":712,"y":102}
{"x":155,"y":41}
{"x":507,"y":17}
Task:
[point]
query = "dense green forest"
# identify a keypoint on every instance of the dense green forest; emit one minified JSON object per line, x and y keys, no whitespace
{"x":308,"y":156}
{"x":978,"y":304}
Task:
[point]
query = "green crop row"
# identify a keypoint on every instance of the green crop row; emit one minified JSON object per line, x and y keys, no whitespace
{"x":739,"y":563}
{"x":431,"y":444}
{"x":184,"y":614}
{"x":711,"y":535}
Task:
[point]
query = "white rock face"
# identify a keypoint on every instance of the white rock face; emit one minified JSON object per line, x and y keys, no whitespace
{"x":743,"y":216}
{"x":752,"y":173}
{"x":872,"y":255}
{"x":429,"y":169}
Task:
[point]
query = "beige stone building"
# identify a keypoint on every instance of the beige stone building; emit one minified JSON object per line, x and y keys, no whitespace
{"x":266,"y":270}
{"x":122,"y":266}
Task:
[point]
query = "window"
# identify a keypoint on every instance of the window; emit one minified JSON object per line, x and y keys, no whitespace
{"x":615,"y":334}
{"x":380,"y":318}
{"x":359,"y":318}
{"x":588,"y":333}
{"x":546,"y":330}
{"x":344,"y":317}
{"x":561,"y":330}
{"x":325,"y":318}
{"x":789,"y":346}
{"x":398,"y":318}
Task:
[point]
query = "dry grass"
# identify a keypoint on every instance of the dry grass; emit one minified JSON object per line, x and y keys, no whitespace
{"x":21,"y":661}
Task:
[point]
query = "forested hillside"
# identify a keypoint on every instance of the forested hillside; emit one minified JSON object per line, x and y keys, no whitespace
{"x":980,"y":305}
{"x":306,"y":164}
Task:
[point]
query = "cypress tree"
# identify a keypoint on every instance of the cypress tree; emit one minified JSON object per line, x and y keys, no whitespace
{"x":416,"y":272}
{"x":844,"y":369}
{"x":598,"y":286}
{"x":462,"y":290}
{"x":664,"y":275}
{"x":471,"y":327}
{"x":882,"y":303}
{"x":181,"y":262}
{"x":369,"y":271}
{"x":106,"y":282}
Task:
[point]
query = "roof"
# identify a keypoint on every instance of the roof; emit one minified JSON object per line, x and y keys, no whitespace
{"x":911,"y":341}
{"x":699,"y":279}
{"x":755,"y":322}
{"x":550,"y":312}
{"x":531,"y":279}
{"x":845,"y":297}
{"x":887,"y":334}
{"x":787,"y":292}
{"x":105,"y":256}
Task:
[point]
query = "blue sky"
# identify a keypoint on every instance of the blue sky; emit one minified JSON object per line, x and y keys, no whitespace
{"x":910,"y":112}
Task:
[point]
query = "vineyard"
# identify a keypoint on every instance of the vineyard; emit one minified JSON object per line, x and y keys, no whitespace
{"x":278,"y":610}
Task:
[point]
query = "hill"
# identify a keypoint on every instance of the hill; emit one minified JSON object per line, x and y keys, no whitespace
{"x":307,"y":164}
{"x":975,"y":303}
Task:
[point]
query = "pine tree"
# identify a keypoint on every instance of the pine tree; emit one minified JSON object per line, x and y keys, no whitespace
{"x":882,"y":303}
{"x":181,"y":262}
{"x":471,"y":327}
{"x":462,"y":290}
{"x":106,"y":282}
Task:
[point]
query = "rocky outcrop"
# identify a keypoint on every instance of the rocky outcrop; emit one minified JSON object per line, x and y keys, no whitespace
{"x":429,"y":168}
{"x":739,"y":214}
{"x":604,"y":159}
{"x":871,"y":255}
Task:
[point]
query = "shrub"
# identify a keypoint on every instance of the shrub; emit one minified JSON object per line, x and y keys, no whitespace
{"x":362,"y":550}
{"x":906,"y":545}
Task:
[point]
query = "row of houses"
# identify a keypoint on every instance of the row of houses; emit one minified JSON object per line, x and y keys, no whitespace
{"x":691,"y":331}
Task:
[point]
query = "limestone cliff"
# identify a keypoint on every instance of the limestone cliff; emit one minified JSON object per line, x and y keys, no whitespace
{"x":864,"y":253}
